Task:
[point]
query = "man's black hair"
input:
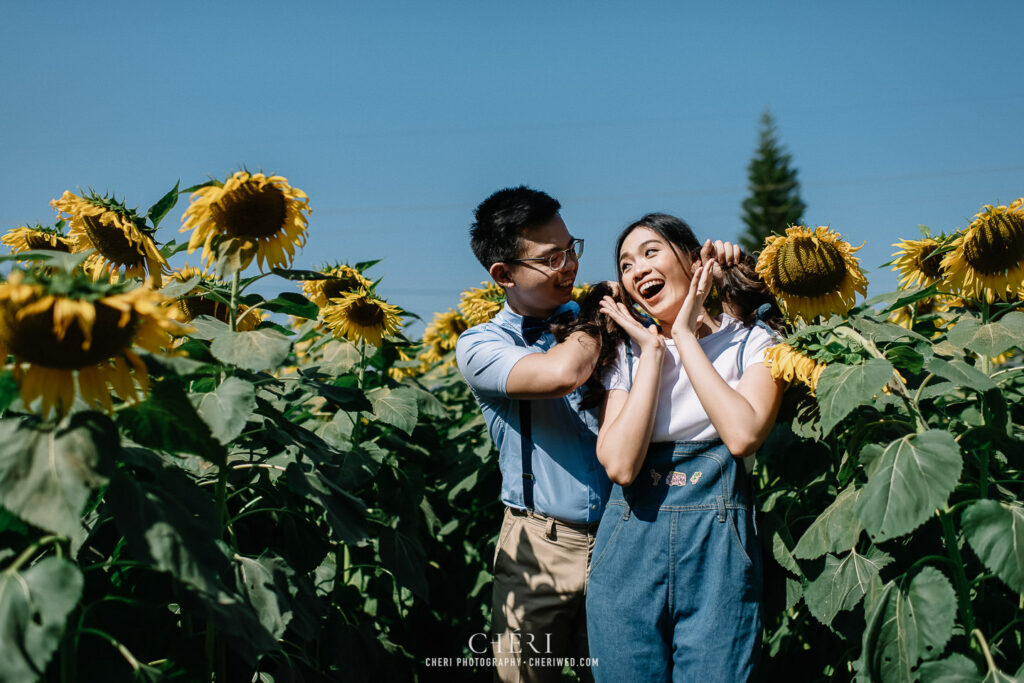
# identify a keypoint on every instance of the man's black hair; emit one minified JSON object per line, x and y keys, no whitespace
{"x":502,"y":218}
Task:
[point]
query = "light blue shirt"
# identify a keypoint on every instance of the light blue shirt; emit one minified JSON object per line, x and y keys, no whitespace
{"x":569,"y":483}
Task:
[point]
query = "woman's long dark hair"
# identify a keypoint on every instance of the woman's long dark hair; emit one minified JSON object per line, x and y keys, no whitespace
{"x":742,"y":292}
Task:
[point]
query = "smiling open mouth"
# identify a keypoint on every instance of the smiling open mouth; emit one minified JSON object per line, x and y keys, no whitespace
{"x":650,"y":288}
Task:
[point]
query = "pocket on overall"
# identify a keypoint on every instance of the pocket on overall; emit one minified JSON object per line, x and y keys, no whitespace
{"x":742,"y":532}
{"x":611,"y":521}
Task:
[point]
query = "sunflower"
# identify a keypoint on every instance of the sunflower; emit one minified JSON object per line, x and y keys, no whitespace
{"x":932,"y":305}
{"x":445,"y":328}
{"x":119,"y":236}
{"x":812,"y":272}
{"x":439,"y":340}
{"x":252,"y":214}
{"x":481,"y":304}
{"x":361,"y":315}
{"x":917,"y":262}
{"x":343,"y":279}
{"x":400,"y":372}
{"x":198,"y":302}
{"x":51,"y":336}
{"x":25,"y":238}
{"x":788,"y":363}
{"x":988,"y":257}
{"x":580,"y":293}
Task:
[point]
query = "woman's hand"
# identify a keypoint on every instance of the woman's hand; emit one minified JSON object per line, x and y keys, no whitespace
{"x":691,"y":315}
{"x":724,"y":254}
{"x":647,"y":338}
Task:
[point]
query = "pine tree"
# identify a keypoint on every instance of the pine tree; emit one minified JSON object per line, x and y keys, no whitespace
{"x":774,"y":202}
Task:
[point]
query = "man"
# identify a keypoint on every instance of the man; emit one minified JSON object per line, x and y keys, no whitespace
{"x":529,"y":392}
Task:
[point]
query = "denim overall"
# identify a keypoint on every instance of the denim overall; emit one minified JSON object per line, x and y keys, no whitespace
{"x":675,"y":585}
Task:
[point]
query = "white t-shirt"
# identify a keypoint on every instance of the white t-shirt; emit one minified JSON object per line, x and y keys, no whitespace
{"x":680,"y":415}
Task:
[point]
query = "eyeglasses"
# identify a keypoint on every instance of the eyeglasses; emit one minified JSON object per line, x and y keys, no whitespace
{"x":557,"y":260}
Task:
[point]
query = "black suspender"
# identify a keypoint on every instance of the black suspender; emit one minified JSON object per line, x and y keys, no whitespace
{"x":526,"y":441}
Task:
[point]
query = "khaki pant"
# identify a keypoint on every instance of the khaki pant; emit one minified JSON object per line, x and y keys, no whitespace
{"x":539,"y":599}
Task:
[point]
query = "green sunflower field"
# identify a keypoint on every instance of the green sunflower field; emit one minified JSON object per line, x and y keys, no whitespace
{"x":202,"y":483}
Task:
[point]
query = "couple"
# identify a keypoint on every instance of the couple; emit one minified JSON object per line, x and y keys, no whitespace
{"x":668,"y":586}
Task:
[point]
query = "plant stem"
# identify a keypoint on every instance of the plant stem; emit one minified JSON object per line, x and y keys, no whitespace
{"x":118,"y":645}
{"x":211,"y":652}
{"x":977,"y":635}
{"x":233,"y":310}
{"x":27,"y":554}
{"x":963,"y":590}
{"x":983,"y":474}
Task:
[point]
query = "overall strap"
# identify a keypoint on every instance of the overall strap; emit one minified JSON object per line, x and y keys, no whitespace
{"x":627,"y":491}
{"x":762,"y":313}
{"x":629,"y":364}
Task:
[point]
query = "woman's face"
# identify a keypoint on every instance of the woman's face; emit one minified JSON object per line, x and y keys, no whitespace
{"x":653,"y":273}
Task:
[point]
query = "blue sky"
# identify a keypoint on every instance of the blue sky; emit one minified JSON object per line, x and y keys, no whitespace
{"x":398,"y":118}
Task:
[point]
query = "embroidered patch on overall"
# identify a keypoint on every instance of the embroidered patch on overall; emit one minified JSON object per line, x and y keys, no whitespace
{"x":655,"y":477}
{"x":677,"y":478}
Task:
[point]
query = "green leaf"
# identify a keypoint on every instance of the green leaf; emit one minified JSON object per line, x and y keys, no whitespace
{"x":890,"y":640}
{"x":842,"y":584}
{"x":9,"y":389}
{"x":360,"y":465}
{"x":256,"y":350}
{"x":905,"y":357}
{"x":1014,"y":321}
{"x":986,"y":339}
{"x":842,"y":388}
{"x":997,"y":676}
{"x":34,"y":607}
{"x":794,"y":591}
{"x":338,"y":432}
{"x":912,"y":297}
{"x":405,"y":558}
{"x":953,"y":669}
{"x":346,"y":398}
{"x":176,"y":288}
{"x":934,"y":604}
{"x":913,"y":477}
{"x":345,"y":512}
{"x":903,"y":628}
{"x":168,"y":525}
{"x":783,"y":556}
{"x":338,"y":357}
{"x":157,"y":212}
{"x":292,"y":303}
{"x":396,"y":407}
{"x":167,"y":421}
{"x":261,"y":581}
{"x":996,"y":533}
{"x":960,"y":373}
{"x":299,"y":275}
{"x":46,"y":476}
{"x":208,"y":327}
{"x":835,"y":530}
{"x":884,"y":332}
{"x":428,"y":404}
{"x":226,"y":409}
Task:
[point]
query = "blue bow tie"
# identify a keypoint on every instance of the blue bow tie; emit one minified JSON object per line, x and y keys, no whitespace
{"x":533,"y":328}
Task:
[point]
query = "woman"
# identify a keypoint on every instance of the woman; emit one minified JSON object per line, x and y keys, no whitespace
{"x":675,"y":584}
